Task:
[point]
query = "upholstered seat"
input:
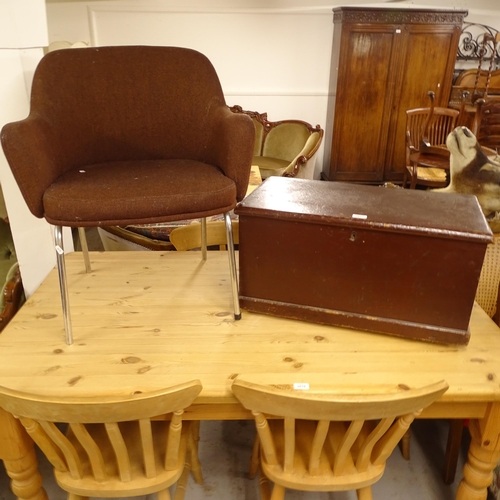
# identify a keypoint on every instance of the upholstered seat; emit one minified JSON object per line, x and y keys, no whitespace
{"x":150,"y":190}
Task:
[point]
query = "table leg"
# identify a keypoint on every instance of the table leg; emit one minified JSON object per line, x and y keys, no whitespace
{"x":17,"y":451}
{"x":484,"y":453}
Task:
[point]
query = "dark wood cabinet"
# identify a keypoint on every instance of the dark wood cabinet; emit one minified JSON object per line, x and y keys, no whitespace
{"x":384,"y":61}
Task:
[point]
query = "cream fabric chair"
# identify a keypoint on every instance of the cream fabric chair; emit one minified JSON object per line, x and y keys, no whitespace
{"x":284,"y":148}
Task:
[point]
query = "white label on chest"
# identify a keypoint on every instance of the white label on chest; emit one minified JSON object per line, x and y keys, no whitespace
{"x":359,"y":216}
{"x":301,"y":386}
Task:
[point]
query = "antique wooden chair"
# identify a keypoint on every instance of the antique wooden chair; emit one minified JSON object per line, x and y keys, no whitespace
{"x":111,"y":447}
{"x":486,"y":123}
{"x":285,"y":147}
{"x":128,"y":135}
{"x":327,"y":442}
{"x":427,"y":159}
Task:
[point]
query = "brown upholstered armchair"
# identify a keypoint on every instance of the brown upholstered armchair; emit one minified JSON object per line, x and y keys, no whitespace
{"x":128,"y":135}
{"x":284,"y":147}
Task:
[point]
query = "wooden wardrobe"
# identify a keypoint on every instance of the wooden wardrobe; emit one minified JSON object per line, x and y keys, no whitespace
{"x":384,"y":61}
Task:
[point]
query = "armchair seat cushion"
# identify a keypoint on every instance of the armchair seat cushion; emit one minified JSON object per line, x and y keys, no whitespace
{"x":138,"y":192}
{"x":275,"y":165}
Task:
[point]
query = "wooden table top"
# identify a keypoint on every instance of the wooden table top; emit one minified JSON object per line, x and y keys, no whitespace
{"x":144,"y":320}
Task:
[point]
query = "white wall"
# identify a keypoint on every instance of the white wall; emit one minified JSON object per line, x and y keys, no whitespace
{"x":271,"y":55}
{"x":23,"y":33}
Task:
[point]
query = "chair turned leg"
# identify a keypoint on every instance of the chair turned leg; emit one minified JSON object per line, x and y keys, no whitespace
{"x":254,"y":460}
{"x":164,"y":494}
{"x":74,"y":496}
{"x":63,"y":285}
{"x":453,"y":449}
{"x":204,"y":238}
{"x":85,"y":249}
{"x":180,"y":489}
{"x":405,"y":445}
{"x":232,"y":265}
{"x":264,"y":486}
{"x":365,"y":493}
{"x":278,"y":492}
{"x":194,"y":459}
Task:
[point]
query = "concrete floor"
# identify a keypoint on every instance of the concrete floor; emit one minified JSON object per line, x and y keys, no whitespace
{"x":225,"y":449}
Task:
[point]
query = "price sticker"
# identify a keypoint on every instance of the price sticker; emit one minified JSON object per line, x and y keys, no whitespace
{"x":301,"y":386}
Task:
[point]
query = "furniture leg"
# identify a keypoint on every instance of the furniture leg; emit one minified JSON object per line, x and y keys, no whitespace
{"x":204,"y":238}
{"x":453,"y":449}
{"x":232,"y":265}
{"x":85,"y":249}
{"x":264,"y":486}
{"x":61,"y":268}
{"x":365,"y":493}
{"x":278,"y":492}
{"x":254,"y":460}
{"x":405,"y":445}
{"x":484,"y":453}
{"x":17,"y":451}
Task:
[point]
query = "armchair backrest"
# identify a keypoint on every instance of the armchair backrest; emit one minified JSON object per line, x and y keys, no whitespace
{"x":127,"y":102}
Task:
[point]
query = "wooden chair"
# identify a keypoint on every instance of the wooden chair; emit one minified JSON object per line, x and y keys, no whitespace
{"x":426,"y":129}
{"x":111,"y":447}
{"x":190,"y":237}
{"x":486,"y":123}
{"x":327,"y":442}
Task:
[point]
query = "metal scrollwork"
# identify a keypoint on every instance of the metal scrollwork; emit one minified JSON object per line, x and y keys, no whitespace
{"x":473,"y":46}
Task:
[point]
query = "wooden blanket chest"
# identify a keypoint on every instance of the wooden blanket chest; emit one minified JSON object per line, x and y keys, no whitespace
{"x":394,"y":261}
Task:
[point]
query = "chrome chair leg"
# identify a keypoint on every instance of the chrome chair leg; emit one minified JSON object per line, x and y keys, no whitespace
{"x":232,"y":265}
{"x":85,"y":249}
{"x":61,"y":268}
{"x":204,"y":238}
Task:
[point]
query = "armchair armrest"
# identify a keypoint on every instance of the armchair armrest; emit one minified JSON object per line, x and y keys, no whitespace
{"x":30,"y":147}
{"x":300,"y":161}
{"x":232,"y":142}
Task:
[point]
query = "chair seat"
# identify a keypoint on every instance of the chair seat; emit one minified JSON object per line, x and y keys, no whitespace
{"x":138,"y":192}
{"x":270,"y":166}
{"x":325,"y":480}
{"x":431,"y":174}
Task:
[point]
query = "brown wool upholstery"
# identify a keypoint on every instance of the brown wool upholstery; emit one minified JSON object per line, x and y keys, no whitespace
{"x":121,"y":135}
{"x":129,"y":135}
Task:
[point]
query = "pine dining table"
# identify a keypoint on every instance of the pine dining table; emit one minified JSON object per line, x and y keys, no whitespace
{"x":146,"y":320}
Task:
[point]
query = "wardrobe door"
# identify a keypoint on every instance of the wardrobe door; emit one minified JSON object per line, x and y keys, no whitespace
{"x":365,"y":88}
{"x":427,"y":64}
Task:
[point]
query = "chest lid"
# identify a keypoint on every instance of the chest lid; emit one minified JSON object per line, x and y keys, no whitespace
{"x":434,"y":214}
